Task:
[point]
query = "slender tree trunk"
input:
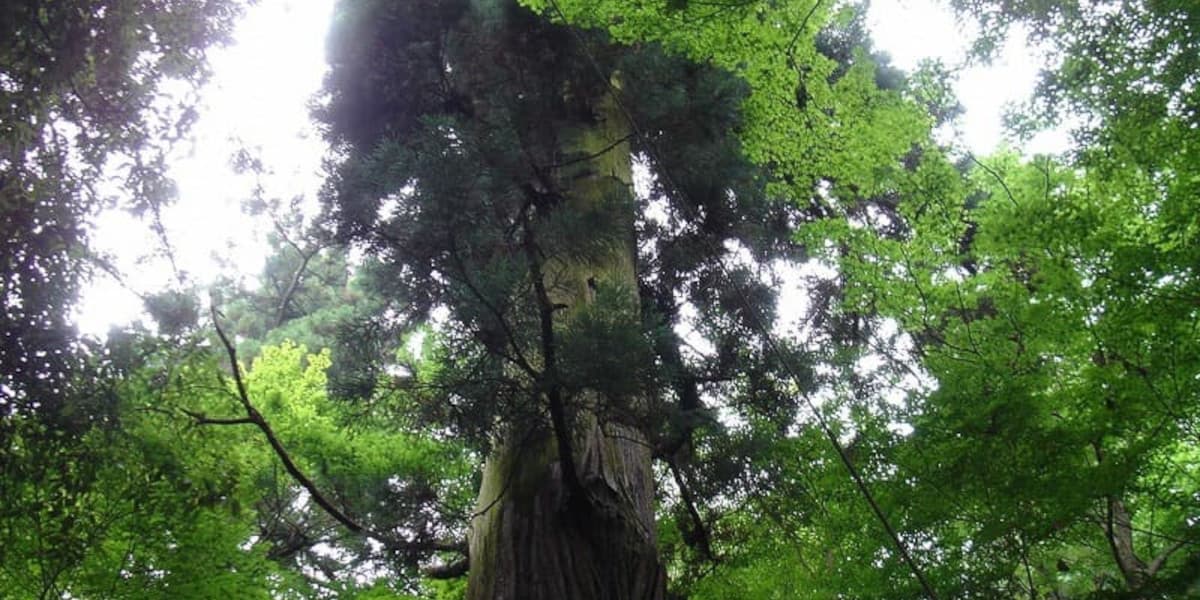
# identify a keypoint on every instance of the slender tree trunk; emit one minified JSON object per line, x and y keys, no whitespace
{"x":1120,"y":535}
{"x":534,"y":536}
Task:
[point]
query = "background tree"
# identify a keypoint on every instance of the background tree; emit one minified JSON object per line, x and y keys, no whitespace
{"x":1032,"y":438}
{"x":1045,"y":450}
{"x":81,"y":116}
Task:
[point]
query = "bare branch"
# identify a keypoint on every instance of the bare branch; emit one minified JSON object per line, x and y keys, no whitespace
{"x":996,"y":176}
{"x":1158,"y":561}
{"x":201,"y":419}
{"x":452,"y":570}
{"x":293,"y":285}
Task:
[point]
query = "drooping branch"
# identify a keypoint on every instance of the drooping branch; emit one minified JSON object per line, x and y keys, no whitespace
{"x":254,"y":417}
{"x":681,"y":378}
{"x":999,"y":179}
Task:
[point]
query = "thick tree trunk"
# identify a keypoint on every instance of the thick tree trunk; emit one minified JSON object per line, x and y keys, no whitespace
{"x":535,"y":536}
{"x":532,"y":542}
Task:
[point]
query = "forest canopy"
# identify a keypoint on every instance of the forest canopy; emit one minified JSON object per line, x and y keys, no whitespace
{"x":535,"y":343}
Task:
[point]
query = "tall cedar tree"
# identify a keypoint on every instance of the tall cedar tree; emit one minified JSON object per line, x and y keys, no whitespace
{"x":485,"y":158}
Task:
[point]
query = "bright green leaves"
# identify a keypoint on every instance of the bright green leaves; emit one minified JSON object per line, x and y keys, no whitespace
{"x":146,"y":511}
{"x":809,"y":116}
{"x":177,"y":503}
{"x":1061,"y":335}
{"x":350,"y":451}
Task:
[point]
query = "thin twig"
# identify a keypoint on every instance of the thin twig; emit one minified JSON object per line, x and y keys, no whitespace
{"x":996,"y":176}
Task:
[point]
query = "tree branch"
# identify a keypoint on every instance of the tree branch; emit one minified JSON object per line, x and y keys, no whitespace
{"x":996,"y":176}
{"x":550,"y":380}
{"x":791,"y":47}
{"x":255,"y":417}
{"x":293,"y":285}
{"x":452,"y":570}
{"x":703,"y":540}
{"x":587,"y":157}
{"x":1158,"y":561}
{"x":1118,"y":530}
{"x":517,"y":357}
{"x":201,"y":419}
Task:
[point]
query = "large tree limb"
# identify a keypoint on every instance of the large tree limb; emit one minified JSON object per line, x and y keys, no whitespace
{"x":1119,"y":530}
{"x":451,"y":570}
{"x":702,"y":537}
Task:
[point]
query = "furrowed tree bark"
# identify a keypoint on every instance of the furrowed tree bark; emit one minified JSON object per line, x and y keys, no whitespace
{"x":533,"y":536}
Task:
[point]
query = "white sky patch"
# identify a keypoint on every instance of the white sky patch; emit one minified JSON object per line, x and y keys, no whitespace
{"x":258,"y":98}
{"x":914,"y":30}
{"x":911,"y":31}
{"x":794,"y":298}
